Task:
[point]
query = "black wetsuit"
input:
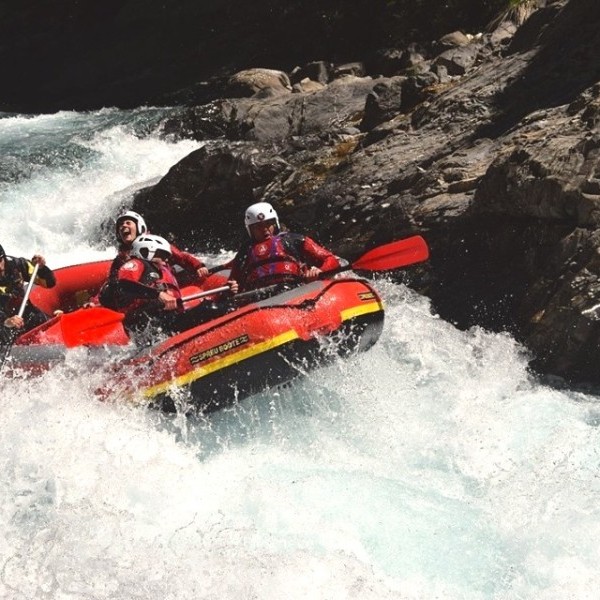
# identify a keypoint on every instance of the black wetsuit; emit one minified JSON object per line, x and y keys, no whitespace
{"x":18,"y":271}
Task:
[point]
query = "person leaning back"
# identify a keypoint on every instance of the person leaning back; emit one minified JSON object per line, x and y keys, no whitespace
{"x":128,"y":226}
{"x":147,"y":288}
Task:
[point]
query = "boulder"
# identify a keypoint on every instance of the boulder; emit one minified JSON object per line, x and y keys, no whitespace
{"x":204,"y":195}
{"x":268,"y":82}
{"x":457,"y":61}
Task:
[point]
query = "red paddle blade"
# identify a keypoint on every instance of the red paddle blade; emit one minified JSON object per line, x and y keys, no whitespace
{"x":394,"y":255}
{"x":92,"y":327}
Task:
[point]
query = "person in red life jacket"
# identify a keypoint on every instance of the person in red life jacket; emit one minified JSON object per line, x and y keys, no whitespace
{"x":275,"y":256}
{"x":147,"y":289}
{"x":14,"y":273}
{"x":128,"y":227}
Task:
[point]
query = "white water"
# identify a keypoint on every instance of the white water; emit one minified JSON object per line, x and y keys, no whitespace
{"x":432,"y":466}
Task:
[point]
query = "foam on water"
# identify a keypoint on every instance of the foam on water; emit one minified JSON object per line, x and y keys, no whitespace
{"x":86,"y":167}
{"x":432,"y":466}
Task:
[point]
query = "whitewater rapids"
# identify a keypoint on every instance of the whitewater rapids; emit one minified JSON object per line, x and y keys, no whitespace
{"x":432,"y":466}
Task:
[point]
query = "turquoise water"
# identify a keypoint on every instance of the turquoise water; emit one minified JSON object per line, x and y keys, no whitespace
{"x":433,"y":466}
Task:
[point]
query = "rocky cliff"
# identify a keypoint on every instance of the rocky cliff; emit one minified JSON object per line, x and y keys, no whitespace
{"x":488,"y":145}
{"x":485,"y":141}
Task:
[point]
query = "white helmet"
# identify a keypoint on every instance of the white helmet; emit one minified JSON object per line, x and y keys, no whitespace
{"x":259,"y":212}
{"x":136,"y":218}
{"x":146,"y":246}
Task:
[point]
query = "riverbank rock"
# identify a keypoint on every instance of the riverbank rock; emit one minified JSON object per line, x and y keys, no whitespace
{"x":263,"y":82}
{"x":490,"y":149}
{"x":74,"y":55}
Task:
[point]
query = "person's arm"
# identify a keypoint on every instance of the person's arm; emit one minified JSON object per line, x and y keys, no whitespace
{"x":8,"y":326}
{"x":188,"y":261}
{"x":45,"y":276}
{"x":139,"y":290}
{"x":236,"y":274}
{"x":128,"y":283}
{"x":318,"y":259}
{"x":14,"y":322}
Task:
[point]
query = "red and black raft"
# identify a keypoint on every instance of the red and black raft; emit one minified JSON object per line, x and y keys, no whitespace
{"x":268,"y":339}
{"x":263,"y":343}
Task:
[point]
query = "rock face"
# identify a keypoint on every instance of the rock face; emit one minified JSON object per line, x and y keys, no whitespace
{"x":489,"y":146}
{"x":72,"y":54}
{"x":266,"y":82}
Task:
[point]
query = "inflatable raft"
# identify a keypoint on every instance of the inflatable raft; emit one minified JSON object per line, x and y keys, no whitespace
{"x":265,"y":338}
{"x":272,"y":337}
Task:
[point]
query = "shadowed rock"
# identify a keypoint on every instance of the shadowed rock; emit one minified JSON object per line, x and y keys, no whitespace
{"x":497,"y":164}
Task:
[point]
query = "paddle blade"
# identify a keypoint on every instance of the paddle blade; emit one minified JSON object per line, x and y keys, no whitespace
{"x":394,"y":255}
{"x":94,"y":326}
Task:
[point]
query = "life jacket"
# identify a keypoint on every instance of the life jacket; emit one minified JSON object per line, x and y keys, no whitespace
{"x":274,"y":260}
{"x":161,"y":279}
{"x":109,"y":295}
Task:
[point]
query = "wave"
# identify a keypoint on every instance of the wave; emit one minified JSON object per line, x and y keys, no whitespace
{"x":433,"y":465}
{"x":64,"y":175}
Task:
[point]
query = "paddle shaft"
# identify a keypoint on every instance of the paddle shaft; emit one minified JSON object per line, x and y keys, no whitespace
{"x":28,"y":290}
{"x":217,"y":290}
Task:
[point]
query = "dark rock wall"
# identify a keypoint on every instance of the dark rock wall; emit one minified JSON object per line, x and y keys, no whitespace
{"x":496,"y":164}
{"x":487,"y":145}
{"x":73,"y":54}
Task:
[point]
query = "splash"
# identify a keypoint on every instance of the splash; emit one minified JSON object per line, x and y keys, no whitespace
{"x":432,"y":466}
{"x":69,"y":172}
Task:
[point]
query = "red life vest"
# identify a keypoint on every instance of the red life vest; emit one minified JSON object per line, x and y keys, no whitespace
{"x":148,"y":274}
{"x":271,"y":261}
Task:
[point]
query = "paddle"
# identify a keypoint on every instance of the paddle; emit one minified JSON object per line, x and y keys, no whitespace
{"x":93,"y":326}
{"x":386,"y":257}
{"x":99,"y":325}
{"x":6,"y":347}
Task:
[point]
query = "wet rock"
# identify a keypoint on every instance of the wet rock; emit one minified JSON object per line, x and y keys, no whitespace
{"x":457,"y":61}
{"x":493,"y":155}
{"x":268,"y":82}
{"x":383,"y":103}
{"x":319,"y":71}
{"x":503,"y":34}
{"x":202,"y":196}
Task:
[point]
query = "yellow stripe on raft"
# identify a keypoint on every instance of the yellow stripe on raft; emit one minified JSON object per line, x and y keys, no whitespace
{"x":280,"y":340}
{"x":363,"y":309}
{"x":226,"y":361}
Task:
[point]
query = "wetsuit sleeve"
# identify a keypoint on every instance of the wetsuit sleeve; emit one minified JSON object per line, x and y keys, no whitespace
{"x":185,"y":259}
{"x":6,"y":333}
{"x":317,"y":256}
{"x":45,"y":276}
{"x":237,"y":266}
{"x":138,"y":290}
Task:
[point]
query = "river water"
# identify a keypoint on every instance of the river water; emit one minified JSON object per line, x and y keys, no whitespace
{"x":432,"y":466}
